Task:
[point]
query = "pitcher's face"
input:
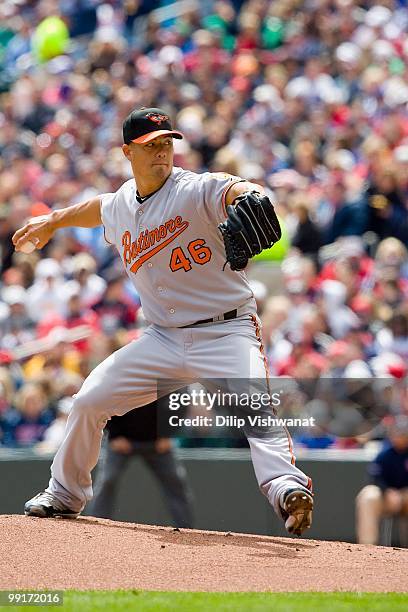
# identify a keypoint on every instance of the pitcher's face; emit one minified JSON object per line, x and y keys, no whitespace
{"x":151,"y":160}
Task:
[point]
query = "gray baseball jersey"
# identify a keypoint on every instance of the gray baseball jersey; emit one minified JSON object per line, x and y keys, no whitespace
{"x":172,"y":250}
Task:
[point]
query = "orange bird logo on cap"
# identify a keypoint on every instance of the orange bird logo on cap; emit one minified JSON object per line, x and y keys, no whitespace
{"x":157,"y":118}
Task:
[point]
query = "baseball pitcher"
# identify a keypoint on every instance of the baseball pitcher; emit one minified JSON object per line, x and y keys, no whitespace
{"x":184,"y":240}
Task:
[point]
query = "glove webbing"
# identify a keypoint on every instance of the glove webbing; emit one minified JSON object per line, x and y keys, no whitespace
{"x":251,"y":226}
{"x":261,"y":233}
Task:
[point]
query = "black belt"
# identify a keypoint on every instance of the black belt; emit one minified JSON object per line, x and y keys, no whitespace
{"x":232,"y":314}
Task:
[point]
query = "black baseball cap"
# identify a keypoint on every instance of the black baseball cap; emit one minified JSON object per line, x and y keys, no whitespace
{"x":145,"y":124}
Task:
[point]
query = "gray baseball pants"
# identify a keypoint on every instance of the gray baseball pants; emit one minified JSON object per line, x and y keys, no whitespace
{"x":128,"y":378}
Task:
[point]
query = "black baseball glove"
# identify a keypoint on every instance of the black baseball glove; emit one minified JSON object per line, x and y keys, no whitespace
{"x":251,"y":227}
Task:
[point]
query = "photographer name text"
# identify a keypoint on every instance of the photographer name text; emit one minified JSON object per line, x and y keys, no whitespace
{"x":239,"y":422}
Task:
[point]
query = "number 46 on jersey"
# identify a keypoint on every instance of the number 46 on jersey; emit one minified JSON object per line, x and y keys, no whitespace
{"x":196,"y":252}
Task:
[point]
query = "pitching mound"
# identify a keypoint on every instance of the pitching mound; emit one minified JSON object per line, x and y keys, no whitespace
{"x":90,"y":553}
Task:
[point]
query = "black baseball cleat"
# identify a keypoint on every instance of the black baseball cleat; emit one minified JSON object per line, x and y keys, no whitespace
{"x":296,"y":509}
{"x":45,"y":505}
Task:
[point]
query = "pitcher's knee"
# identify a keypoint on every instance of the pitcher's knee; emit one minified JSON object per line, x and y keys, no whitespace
{"x":91,"y":403}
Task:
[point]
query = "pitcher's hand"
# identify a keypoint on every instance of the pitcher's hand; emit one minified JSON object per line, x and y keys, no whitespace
{"x":38,"y":230}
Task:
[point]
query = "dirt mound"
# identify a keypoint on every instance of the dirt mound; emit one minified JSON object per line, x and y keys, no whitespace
{"x":90,"y":553}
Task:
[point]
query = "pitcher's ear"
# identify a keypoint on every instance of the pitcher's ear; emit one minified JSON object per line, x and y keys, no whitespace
{"x":126,"y":151}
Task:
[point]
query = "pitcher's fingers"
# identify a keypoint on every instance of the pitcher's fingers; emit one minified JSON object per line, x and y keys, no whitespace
{"x":39,"y":244}
{"x":27,"y":236}
{"x":20,"y":241}
{"x":18,"y":234}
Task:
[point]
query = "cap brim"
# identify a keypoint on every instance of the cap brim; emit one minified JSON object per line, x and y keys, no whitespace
{"x":152,"y":135}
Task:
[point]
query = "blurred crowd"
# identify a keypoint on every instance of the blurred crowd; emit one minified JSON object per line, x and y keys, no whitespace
{"x":309,"y":99}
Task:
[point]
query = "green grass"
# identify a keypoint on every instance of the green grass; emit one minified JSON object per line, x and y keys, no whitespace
{"x":163,"y":601}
